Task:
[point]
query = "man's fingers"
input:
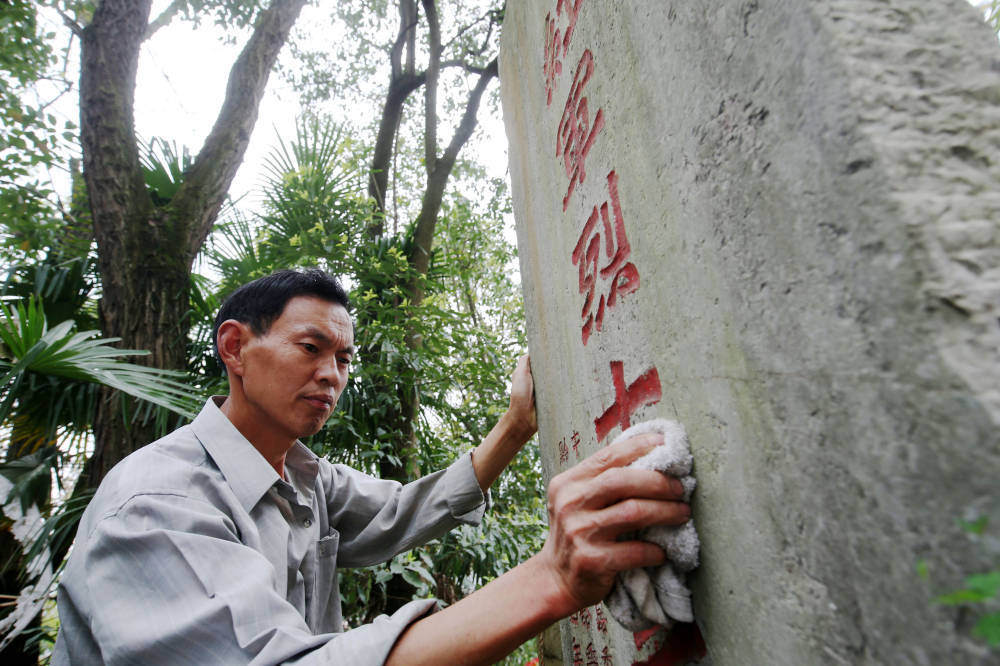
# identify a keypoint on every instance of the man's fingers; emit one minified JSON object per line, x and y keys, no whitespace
{"x":633,"y":554}
{"x":616,"y":455}
{"x":608,"y":524}
{"x":636,"y":514}
{"x":617,"y":483}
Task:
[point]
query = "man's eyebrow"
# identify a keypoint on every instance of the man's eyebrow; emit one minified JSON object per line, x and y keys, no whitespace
{"x":319,"y":334}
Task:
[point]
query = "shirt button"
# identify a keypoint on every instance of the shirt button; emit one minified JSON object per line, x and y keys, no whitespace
{"x":307,"y":522}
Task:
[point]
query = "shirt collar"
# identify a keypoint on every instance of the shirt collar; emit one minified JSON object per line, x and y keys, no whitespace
{"x":247,"y":472}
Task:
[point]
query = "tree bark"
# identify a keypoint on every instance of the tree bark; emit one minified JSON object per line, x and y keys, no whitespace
{"x":145,"y":252}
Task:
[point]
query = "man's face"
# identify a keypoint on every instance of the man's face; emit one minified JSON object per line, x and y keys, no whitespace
{"x":293,"y":375}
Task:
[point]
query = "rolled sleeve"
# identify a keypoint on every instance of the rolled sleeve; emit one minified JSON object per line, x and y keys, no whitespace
{"x":466,"y":499}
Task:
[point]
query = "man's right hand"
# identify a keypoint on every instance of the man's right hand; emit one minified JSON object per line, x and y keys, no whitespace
{"x":592,"y":504}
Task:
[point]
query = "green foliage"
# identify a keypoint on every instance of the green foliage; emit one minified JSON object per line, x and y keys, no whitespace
{"x":30,"y":136}
{"x":981,"y":591}
{"x":163,"y":167}
{"x":992,"y":10}
{"x":226,"y":13}
{"x":31,"y":347}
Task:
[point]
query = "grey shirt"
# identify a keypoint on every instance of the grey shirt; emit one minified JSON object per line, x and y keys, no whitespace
{"x":195,"y":551}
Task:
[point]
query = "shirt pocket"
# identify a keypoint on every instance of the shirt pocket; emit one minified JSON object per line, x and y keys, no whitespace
{"x":325,"y":612}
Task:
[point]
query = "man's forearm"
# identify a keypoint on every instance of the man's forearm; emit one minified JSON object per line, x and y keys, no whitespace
{"x":514,"y":428}
{"x":498,"y":448}
{"x":488,"y":624}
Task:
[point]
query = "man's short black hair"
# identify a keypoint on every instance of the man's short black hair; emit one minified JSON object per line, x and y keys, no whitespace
{"x":259,"y":303}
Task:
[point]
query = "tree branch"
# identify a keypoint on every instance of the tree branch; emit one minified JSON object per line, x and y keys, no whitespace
{"x":164,"y":19}
{"x":472,"y":69}
{"x":73,"y":26}
{"x":434,"y":194}
{"x":378,"y":177}
{"x":405,"y":39}
{"x":430,"y":91}
{"x":199,"y":198}
{"x":468,"y":124}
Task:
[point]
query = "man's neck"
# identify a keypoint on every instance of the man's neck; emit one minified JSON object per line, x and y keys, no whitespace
{"x":272,"y":447}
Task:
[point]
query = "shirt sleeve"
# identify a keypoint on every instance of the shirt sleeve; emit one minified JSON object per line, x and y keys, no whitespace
{"x":165,"y":580}
{"x":377,"y":519}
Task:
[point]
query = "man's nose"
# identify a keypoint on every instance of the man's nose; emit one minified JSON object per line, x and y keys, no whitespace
{"x":328,"y":371}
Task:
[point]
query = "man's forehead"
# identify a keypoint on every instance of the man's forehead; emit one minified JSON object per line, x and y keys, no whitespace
{"x":316,"y":316}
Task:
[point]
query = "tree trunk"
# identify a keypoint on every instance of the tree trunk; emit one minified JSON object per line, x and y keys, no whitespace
{"x":145,"y":252}
{"x":401,"y":420}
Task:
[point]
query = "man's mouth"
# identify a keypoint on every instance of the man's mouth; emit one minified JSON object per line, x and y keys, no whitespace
{"x":320,"y":401}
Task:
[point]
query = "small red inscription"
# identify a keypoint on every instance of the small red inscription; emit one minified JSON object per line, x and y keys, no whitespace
{"x":602,"y":620}
{"x":614,"y":272}
{"x":643,"y":391}
{"x":585,"y":618}
{"x":592,"y":655}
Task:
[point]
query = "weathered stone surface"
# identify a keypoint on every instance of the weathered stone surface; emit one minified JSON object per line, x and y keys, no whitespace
{"x":811,"y":192}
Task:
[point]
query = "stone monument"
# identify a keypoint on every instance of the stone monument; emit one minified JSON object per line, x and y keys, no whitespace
{"x":775,"y":221}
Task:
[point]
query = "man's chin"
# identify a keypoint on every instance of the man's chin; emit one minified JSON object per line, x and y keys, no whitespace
{"x":313,"y":427}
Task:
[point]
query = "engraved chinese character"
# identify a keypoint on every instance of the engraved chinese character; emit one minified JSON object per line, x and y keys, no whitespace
{"x":606,"y":656}
{"x":591,"y":655}
{"x":643,"y":391}
{"x":563,"y":452}
{"x":575,"y":134}
{"x":557,"y":43}
{"x":572,"y":14}
{"x":602,"y":620}
{"x":613,"y":273}
{"x":552,"y":64}
{"x":577,"y":658}
{"x":576,"y":444}
{"x":585,"y":617}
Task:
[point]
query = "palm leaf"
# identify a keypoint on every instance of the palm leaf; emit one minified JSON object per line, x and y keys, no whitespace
{"x":32,"y":347}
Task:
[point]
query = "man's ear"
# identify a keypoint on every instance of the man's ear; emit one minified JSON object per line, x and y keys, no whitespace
{"x":232,"y":337}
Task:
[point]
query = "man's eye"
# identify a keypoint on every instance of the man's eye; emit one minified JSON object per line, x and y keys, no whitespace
{"x":344,"y":360}
{"x":311,"y":348}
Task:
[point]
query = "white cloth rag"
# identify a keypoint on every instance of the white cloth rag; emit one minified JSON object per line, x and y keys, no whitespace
{"x":651,"y":596}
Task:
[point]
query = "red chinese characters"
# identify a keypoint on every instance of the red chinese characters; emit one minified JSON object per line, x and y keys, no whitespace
{"x":564,"y":448}
{"x":576,"y":133}
{"x":552,"y":65}
{"x":557,"y":41}
{"x":602,"y":620}
{"x":603,"y":276}
{"x":563,"y":452}
{"x":643,"y":391}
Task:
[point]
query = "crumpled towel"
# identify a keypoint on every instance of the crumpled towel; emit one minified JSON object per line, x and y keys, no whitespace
{"x":647,"y":597}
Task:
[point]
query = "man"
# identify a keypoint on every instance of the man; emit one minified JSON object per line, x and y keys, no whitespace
{"x":219,"y":543}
